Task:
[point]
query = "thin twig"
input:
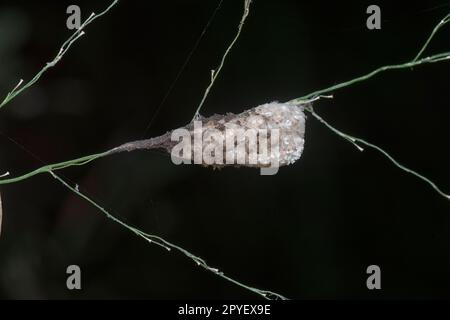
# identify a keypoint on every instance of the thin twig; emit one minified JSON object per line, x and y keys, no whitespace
{"x":431,"y":59}
{"x":355,"y":142}
{"x":215,"y":73}
{"x":62,"y":51}
{"x":414,"y":62}
{"x":168,"y":245}
{"x":56,"y":166}
{"x":441,"y":23}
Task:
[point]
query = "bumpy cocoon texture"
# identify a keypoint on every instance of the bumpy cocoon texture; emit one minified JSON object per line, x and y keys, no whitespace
{"x":280,"y":136}
{"x":269,"y":135}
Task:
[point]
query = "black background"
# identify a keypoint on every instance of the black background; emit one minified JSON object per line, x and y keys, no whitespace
{"x":308,"y":232}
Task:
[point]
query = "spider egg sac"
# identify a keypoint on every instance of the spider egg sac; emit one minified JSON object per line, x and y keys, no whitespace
{"x":267,"y":136}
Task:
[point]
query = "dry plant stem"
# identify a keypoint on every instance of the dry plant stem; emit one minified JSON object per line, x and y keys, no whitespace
{"x":355,"y":142}
{"x":215,"y":73}
{"x":19,"y":88}
{"x":144,"y":144}
{"x":54,"y":167}
{"x":431,"y":59}
{"x":168,"y":245}
{"x":414,"y":62}
{"x":441,"y":23}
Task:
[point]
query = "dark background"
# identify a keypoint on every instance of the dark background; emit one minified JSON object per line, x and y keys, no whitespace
{"x":308,"y":232}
